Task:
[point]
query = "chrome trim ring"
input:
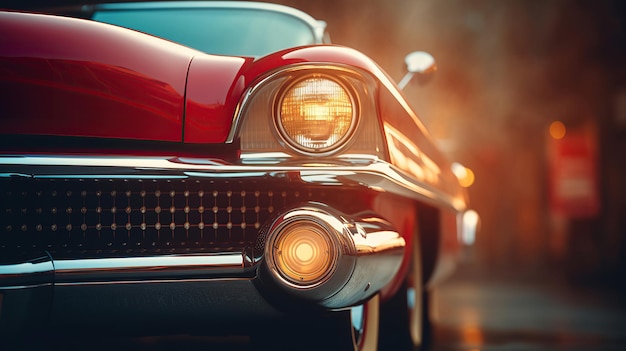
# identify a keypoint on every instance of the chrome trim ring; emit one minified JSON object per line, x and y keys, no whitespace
{"x":316,"y":220}
{"x":283,"y":72}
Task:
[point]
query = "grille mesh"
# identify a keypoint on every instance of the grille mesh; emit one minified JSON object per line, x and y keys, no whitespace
{"x":71,"y":217}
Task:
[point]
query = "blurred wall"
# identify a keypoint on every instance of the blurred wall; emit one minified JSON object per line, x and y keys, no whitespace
{"x":507,"y":69}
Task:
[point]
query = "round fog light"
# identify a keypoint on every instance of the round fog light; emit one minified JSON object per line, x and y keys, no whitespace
{"x":303,"y":253}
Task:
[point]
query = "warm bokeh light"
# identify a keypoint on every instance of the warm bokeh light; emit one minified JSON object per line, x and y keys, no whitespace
{"x":557,"y":130}
{"x":469,"y":178}
{"x":472,"y":335}
{"x":471,"y":221}
{"x":465,"y":175}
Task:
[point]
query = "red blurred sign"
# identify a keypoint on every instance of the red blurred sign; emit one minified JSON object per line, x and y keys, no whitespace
{"x":573,"y":175}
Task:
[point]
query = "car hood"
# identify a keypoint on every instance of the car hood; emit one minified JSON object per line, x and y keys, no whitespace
{"x":77,"y":78}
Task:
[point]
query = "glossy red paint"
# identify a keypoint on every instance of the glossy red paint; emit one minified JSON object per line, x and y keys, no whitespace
{"x":217,"y":84}
{"x":90,"y":79}
{"x":331,"y":54}
{"x":72,"y":77}
{"x":213,"y":90}
{"x":403,"y":212}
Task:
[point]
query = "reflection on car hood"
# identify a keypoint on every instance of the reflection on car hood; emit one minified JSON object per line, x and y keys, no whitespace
{"x":96,"y":80}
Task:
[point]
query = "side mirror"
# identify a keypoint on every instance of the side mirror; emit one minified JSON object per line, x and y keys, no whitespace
{"x":421,"y":63}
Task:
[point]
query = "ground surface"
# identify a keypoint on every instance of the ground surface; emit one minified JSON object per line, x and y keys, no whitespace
{"x":473,"y":311}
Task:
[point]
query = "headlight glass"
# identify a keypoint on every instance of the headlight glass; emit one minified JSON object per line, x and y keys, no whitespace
{"x":304,"y":254}
{"x":316,"y":114}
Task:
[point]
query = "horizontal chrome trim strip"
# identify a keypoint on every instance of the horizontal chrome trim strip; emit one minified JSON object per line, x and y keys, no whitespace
{"x":26,"y":268}
{"x":34,"y":272}
{"x":152,"y":263}
{"x":153,"y":281}
{"x":25,"y":286}
{"x":148,"y":268}
{"x":369,"y":172}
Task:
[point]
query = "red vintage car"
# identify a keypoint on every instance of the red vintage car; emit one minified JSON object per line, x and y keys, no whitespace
{"x":229,"y":171}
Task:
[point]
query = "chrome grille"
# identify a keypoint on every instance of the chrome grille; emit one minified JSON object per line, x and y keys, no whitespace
{"x":70,"y":217}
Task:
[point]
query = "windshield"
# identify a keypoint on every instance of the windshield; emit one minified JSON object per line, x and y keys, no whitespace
{"x":222,"y":31}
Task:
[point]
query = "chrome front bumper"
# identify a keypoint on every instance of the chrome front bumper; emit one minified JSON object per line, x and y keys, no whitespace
{"x":365,"y":239}
{"x":192,"y":289}
{"x":211,"y":285}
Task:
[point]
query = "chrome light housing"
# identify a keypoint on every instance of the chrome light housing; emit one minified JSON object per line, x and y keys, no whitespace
{"x":316,"y":253}
{"x":316,"y":113}
{"x":313,"y":110}
{"x":308,"y":251}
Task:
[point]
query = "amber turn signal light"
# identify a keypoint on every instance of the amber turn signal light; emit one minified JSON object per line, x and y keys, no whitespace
{"x":303,"y":253}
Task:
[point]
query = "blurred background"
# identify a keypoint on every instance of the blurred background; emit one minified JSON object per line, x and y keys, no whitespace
{"x":531,"y":96}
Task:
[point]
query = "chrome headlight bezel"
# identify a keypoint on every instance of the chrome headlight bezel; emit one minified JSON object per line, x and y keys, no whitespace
{"x":260,"y":139}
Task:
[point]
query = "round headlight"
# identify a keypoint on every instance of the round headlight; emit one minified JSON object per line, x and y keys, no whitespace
{"x":316,"y":114}
{"x":303,"y":253}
